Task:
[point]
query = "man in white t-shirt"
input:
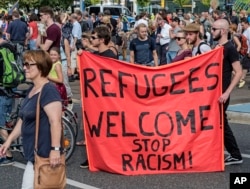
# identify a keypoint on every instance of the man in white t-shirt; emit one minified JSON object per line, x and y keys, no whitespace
{"x":194,"y":37}
{"x":246,"y":63}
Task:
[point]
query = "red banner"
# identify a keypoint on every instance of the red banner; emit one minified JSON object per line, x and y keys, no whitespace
{"x":152,"y":120}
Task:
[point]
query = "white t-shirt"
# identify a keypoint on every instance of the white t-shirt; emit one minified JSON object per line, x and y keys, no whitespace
{"x":1,"y":22}
{"x":203,"y":48}
{"x":247,"y":34}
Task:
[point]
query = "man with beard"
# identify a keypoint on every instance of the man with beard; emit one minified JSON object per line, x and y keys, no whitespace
{"x":220,"y":29}
{"x":142,"y":49}
{"x":194,"y":37}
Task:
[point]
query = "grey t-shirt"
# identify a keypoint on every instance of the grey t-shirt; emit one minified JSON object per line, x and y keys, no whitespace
{"x":173,"y":46}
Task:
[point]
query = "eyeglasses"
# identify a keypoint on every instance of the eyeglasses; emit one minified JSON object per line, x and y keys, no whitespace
{"x":94,"y":37}
{"x":214,"y":29}
{"x":179,"y":38}
{"x":27,"y":65}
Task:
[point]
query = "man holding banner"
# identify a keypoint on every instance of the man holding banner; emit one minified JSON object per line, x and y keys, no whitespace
{"x":231,"y":63}
{"x":100,"y":38}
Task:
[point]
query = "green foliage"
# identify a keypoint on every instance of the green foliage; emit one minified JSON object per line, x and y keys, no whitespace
{"x":143,"y":3}
{"x":182,"y":2}
{"x":94,"y":2}
{"x":87,"y":3}
{"x":4,"y":3}
{"x":205,"y":2}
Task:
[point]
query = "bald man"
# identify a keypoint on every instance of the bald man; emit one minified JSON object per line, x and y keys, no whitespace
{"x":220,"y":29}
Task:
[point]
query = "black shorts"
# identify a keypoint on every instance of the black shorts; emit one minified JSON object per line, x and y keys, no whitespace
{"x":245,"y":62}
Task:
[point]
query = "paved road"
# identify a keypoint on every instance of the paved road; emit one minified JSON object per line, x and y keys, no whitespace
{"x":11,"y":176}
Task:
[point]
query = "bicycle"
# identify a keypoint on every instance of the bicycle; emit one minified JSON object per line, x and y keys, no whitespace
{"x":69,"y":133}
{"x":72,"y":118}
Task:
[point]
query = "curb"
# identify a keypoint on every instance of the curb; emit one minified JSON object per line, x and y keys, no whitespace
{"x":238,"y":117}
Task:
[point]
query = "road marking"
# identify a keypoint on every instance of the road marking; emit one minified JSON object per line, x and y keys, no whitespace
{"x":69,"y":181}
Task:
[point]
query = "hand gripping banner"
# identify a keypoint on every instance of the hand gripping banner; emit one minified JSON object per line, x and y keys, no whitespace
{"x":143,"y":120}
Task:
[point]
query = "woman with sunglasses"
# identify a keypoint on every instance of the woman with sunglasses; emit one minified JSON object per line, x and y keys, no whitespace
{"x":37,"y":65}
{"x":185,"y":52}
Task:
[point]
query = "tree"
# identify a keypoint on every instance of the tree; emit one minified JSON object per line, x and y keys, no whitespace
{"x":206,"y":2}
{"x":182,"y":2}
{"x":143,"y":3}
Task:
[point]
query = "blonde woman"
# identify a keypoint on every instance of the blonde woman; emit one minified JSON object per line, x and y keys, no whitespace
{"x":185,"y":52}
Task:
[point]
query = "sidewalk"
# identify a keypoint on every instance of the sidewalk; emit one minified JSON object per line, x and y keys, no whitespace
{"x":238,"y":110}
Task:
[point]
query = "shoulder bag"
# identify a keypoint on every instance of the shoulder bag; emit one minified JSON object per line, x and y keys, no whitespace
{"x":47,"y":177}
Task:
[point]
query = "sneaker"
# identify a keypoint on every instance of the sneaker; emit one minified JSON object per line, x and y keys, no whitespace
{"x":232,"y":161}
{"x":85,"y":164}
{"x":6,"y":161}
{"x":71,"y":78}
{"x":241,"y":83}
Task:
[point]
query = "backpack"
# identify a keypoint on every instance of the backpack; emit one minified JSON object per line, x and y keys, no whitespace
{"x":11,"y":74}
{"x":244,"y":46}
{"x":198,"y":49}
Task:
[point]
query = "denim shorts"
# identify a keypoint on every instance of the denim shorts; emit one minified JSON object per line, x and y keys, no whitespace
{"x":5,"y":109}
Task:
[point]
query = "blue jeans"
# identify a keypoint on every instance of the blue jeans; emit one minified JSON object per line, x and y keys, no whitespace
{"x":170,"y":56}
{"x":32,"y":44}
{"x":5,"y":109}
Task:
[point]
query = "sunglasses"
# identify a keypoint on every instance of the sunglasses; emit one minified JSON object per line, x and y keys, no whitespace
{"x":179,"y":38}
{"x":27,"y":65}
{"x":94,"y":37}
{"x":214,"y":29}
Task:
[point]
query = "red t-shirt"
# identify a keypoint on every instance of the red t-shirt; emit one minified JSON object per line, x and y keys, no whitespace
{"x":34,"y":27}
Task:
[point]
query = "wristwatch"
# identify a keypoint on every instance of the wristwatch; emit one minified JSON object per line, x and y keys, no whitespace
{"x":56,"y":148}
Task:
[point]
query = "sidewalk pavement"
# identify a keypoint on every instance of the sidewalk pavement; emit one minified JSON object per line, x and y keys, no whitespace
{"x":238,"y":110}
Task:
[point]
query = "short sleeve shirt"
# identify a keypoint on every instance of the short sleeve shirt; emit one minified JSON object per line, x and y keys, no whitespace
{"x":142,"y":50}
{"x":28,"y":116}
{"x":53,"y":34}
{"x":230,"y":56}
{"x":34,"y":27}
{"x":17,"y":30}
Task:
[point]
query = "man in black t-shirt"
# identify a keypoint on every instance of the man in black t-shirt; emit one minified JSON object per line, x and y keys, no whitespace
{"x":100,"y":39}
{"x":231,"y":63}
{"x":143,"y":49}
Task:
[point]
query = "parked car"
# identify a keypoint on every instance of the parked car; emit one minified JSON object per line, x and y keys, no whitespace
{"x":115,"y":10}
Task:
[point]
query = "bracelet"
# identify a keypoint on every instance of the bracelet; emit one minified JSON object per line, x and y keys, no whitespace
{"x":56,"y":148}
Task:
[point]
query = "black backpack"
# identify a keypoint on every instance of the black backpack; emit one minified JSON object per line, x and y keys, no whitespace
{"x":199,"y":46}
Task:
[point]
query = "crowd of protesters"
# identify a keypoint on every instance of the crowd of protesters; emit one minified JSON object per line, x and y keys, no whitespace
{"x":154,"y":40}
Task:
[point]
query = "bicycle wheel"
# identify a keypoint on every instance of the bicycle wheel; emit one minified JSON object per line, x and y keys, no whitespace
{"x":69,"y":138}
{"x":72,"y":118}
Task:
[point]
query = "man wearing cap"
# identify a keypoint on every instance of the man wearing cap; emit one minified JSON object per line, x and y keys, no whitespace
{"x":173,"y":47}
{"x":194,"y":37}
